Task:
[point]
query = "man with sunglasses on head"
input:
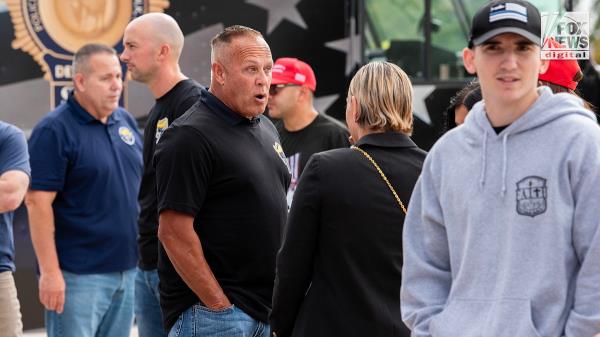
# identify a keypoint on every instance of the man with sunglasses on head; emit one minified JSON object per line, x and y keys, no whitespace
{"x":302,"y":129}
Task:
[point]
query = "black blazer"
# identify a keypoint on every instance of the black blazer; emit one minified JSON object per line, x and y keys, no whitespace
{"x":339,"y":267}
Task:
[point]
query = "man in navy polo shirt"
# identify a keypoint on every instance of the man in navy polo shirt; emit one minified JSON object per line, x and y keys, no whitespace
{"x":86,"y":164}
{"x":14,"y":180}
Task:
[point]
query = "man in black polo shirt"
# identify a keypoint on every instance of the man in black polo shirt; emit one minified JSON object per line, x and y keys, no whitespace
{"x":153,"y":43}
{"x":222,"y":179}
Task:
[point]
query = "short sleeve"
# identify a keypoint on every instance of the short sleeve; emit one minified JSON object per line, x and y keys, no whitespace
{"x":184,"y":162}
{"x":13,"y":152}
{"x":49,"y":159}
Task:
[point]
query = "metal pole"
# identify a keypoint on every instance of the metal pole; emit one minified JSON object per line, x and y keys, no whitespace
{"x":569,"y":5}
{"x":360,"y":22}
{"x":427,"y":49}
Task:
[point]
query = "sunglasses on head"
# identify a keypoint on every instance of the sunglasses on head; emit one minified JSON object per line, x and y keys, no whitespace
{"x":274,"y":89}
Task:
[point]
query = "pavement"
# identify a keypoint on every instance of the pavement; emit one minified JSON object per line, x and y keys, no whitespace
{"x":42,"y":333}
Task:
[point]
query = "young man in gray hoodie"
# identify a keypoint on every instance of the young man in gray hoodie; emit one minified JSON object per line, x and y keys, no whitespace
{"x":502,"y":236}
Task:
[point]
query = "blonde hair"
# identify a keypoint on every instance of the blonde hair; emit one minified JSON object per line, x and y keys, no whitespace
{"x":384,"y":95}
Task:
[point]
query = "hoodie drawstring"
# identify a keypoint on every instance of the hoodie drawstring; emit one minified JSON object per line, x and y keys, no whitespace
{"x":483,"y":160}
{"x":504,"y":164}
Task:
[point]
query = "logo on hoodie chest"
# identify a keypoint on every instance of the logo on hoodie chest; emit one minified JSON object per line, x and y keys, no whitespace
{"x":531,"y":196}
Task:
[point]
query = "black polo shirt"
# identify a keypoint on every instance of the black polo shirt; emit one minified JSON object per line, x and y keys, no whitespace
{"x":167,"y":108}
{"x":230,"y":173}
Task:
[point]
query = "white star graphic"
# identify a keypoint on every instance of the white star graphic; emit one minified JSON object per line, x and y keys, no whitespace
{"x":323,"y":103}
{"x":420,"y":93}
{"x":195,"y":57}
{"x":278,"y":11}
{"x":349,"y":45}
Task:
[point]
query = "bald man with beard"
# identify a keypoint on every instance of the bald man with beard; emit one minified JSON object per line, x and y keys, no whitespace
{"x":153,"y":43}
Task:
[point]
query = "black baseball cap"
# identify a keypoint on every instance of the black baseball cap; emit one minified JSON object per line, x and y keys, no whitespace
{"x":507,"y":16}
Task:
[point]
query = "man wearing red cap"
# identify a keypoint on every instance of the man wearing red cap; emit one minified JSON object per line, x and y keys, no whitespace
{"x":565,"y":74}
{"x":303,"y":131}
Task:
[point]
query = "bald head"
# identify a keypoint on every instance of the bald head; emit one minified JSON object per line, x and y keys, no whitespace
{"x":159,"y":29}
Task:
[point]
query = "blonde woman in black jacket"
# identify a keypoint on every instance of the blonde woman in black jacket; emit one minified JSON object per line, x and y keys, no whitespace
{"x":339,"y":267}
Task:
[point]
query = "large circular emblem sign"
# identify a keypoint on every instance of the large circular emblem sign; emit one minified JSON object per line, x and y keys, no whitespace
{"x":51,"y":31}
{"x":73,"y":23}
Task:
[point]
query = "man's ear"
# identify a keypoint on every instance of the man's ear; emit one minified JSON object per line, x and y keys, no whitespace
{"x":79,"y":82}
{"x":469,"y":60}
{"x":218,"y":72}
{"x":164,"y":51}
{"x":544,"y":66}
{"x":304,"y":93}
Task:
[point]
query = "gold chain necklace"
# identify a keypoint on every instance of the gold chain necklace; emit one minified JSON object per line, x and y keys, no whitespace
{"x":385,"y":179}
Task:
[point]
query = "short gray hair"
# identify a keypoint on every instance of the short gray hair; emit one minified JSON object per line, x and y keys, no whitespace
{"x":82,"y":56}
{"x":230,"y":33}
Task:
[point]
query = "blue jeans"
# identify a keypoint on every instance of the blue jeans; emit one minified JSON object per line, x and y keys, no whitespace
{"x":147,"y":304}
{"x":199,"y":321}
{"x":96,"y":305}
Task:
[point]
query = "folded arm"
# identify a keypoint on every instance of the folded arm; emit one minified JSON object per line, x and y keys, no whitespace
{"x":13,"y":186}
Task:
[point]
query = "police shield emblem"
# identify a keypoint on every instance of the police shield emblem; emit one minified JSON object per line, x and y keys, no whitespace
{"x":279,"y":150}
{"x":51,"y":31}
{"x":161,"y":126}
{"x":531,"y":196}
{"x":126,"y":135}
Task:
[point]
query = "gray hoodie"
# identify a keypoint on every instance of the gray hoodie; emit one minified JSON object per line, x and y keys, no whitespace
{"x":502,"y":236}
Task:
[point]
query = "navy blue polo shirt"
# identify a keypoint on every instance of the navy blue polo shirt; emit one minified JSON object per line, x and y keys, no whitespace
{"x":13,"y":156}
{"x":95,"y":169}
